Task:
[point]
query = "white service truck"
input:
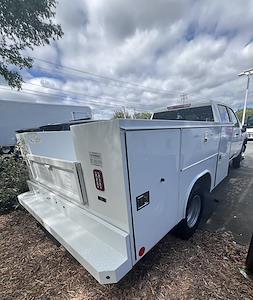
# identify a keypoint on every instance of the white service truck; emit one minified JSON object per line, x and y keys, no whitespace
{"x":108,"y":191}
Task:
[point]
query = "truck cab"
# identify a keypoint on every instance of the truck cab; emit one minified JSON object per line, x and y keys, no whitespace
{"x":249,"y":126}
{"x":208,"y":111}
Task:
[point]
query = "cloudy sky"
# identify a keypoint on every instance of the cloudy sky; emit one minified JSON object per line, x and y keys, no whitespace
{"x":160,"y":52}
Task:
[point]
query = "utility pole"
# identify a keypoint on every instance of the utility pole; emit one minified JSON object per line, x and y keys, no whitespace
{"x":124,"y":111}
{"x":247,"y":73}
{"x":183,"y":97}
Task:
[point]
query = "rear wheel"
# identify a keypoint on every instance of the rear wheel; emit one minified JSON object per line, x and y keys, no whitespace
{"x":243,"y":148}
{"x":237,"y":161}
{"x":189,"y":224}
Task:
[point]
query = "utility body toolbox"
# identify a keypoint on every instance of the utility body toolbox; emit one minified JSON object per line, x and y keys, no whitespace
{"x":108,"y":191}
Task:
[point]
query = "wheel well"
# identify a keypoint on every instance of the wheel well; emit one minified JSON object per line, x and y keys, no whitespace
{"x":204,"y":183}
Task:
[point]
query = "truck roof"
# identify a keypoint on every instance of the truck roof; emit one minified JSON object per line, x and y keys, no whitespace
{"x":190,"y":104}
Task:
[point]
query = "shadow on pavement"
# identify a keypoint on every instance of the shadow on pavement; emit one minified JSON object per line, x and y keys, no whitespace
{"x":230,"y":206}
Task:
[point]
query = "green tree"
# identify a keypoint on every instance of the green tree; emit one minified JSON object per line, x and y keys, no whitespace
{"x":142,"y":115}
{"x":249,"y":112}
{"x":23,"y":25}
{"x":121,"y":114}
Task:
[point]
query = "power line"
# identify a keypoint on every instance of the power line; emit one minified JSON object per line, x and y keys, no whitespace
{"x":146,"y":107}
{"x":104,"y":96}
{"x":49,"y":95}
{"x":152,"y":90}
{"x":49,"y":71}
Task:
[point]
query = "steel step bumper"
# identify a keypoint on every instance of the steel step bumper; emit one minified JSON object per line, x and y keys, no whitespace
{"x":101,"y":248}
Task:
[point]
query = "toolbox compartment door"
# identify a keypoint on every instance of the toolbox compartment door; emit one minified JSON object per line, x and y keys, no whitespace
{"x":153,"y":169}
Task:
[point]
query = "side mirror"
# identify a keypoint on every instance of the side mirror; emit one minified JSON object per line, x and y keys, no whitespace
{"x":244,"y":128}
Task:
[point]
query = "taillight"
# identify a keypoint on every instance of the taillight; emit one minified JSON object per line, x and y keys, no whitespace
{"x":142,"y":251}
{"x":99,"y":181}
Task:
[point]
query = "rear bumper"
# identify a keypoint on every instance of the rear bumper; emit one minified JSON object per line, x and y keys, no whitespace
{"x":101,"y":248}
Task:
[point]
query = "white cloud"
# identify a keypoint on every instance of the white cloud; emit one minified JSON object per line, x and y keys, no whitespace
{"x":196,"y":47}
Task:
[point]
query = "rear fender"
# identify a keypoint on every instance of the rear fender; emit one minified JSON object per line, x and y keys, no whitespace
{"x":193,"y":183}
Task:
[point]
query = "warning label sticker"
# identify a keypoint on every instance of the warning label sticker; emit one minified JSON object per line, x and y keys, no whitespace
{"x":95,"y":159}
{"x":34,"y":138}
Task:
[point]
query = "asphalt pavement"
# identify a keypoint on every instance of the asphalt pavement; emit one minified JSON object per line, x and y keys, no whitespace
{"x":230,"y":205}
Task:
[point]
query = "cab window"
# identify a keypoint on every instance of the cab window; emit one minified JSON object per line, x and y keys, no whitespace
{"x":201,"y":113}
{"x":233,"y":118}
{"x":223,"y":114}
{"x":250,"y":122}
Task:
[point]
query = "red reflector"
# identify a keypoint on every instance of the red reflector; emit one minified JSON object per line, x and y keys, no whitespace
{"x":99,"y":181}
{"x":141,"y":251}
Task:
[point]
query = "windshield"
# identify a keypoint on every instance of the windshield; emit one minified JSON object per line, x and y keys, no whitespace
{"x":201,"y":113}
{"x":250,"y":122}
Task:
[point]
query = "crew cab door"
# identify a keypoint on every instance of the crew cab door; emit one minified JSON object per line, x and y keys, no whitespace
{"x":223,"y":154}
{"x":227,"y":116}
{"x":237,"y":138}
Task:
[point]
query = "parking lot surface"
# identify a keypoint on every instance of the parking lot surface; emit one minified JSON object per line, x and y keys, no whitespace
{"x":230,"y":205}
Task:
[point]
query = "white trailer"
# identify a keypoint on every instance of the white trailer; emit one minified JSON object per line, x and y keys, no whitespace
{"x":108,"y":191}
{"x":15,"y":115}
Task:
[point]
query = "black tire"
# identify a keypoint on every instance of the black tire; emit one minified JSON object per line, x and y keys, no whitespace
{"x":186,"y":228}
{"x":237,"y":161}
